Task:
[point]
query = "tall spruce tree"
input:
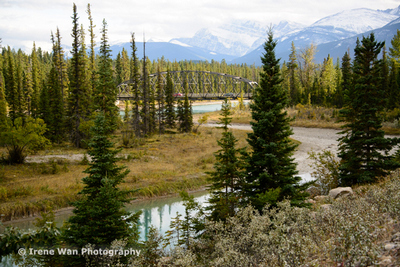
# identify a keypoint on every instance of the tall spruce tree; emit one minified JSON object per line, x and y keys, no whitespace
{"x":51,"y":103}
{"x":27,"y":84}
{"x":3,"y":104}
{"x":11,"y":87}
{"x":186,"y":120}
{"x":86,"y":77}
{"x":34,"y":97}
{"x":338,"y":94}
{"x":393,"y":89}
{"x":271,"y":172}
{"x":127,"y":112}
{"x":161,"y":104}
{"x":180,"y":113}
{"x":60,"y":65}
{"x":152,"y":109}
{"x":78,"y":94}
{"x":347,"y":76}
{"x":99,"y":217}
{"x":145,"y":107}
{"x":226,"y":179}
{"x":20,"y":94}
{"x":363,"y":149}
{"x":385,"y":83}
{"x":105,"y":94}
{"x":170,"y":114}
{"x":135,"y":79}
{"x":118,"y":70}
{"x":92,"y":55}
{"x":294,"y":82}
{"x":126,"y":71}
{"x":55,"y":119}
{"x":394,"y":50}
{"x":44,"y":105}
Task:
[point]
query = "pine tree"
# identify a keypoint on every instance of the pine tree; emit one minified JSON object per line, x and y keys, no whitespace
{"x":60,"y":65}
{"x":3,"y":105}
{"x":385,"y":83}
{"x":338,"y":95}
{"x":271,"y":172}
{"x":118,"y":70}
{"x":92,"y":55}
{"x":161,"y":105}
{"x":127,"y":111}
{"x":125,"y":65}
{"x":51,"y":103}
{"x":170,"y":114}
{"x":20,"y":96}
{"x":78,"y":95}
{"x":186,"y":121}
{"x":225,"y":180}
{"x":394,"y":50}
{"x":179,"y":113}
{"x":347,"y":77}
{"x":135,"y":79}
{"x":27,"y":84}
{"x":145,"y":109}
{"x":105,"y":94}
{"x":34,"y":97}
{"x":393,"y":93}
{"x":363,"y":148}
{"x":11,"y":87}
{"x":56,"y":119}
{"x":86,"y":82}
{"x":152,"y":109}
{"x":43,"y":111}
{"x":293,"y":77}
{"x":99,"y":217}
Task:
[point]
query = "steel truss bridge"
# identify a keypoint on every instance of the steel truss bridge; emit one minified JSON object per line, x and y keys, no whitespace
{"x":201,"y":85}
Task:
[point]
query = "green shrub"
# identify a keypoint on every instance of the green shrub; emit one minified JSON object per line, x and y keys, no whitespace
{"x":326,"y":170}
{"x":21,"y":191}
{"x":3,"y":193}
{"x":2,"y":174}
{"x":85,"y":160}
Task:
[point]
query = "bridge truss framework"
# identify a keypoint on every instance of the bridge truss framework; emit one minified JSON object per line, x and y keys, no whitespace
{"x":200,"y":84}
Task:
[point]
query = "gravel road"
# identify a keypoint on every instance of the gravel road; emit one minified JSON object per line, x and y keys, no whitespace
{"x":312,"y":139}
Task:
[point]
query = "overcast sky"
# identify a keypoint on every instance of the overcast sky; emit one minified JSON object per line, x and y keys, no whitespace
{"x":24,"y":21}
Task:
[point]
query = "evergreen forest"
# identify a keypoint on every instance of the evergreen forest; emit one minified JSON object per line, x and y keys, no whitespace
{"x":260,"y":212}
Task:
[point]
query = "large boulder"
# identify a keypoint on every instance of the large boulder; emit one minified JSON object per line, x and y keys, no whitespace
{"x":340,"y":191}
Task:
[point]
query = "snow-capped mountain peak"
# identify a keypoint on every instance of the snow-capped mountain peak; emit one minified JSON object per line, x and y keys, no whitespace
{"x":394,"y":11}
{"x":357,"y":20}
{"x":237,"y":37}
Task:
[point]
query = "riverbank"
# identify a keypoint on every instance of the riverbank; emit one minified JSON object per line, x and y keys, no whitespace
{"x":67,"y":211}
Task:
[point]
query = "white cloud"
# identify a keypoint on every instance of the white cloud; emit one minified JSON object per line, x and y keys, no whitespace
{"x":25,"y":21}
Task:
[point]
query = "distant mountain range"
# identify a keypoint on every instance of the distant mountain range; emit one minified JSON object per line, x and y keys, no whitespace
{"x":241,"y":41}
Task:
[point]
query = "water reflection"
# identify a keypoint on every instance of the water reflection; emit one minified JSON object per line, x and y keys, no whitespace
{"x":160,"y":212}
{"x":156,"y":212}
